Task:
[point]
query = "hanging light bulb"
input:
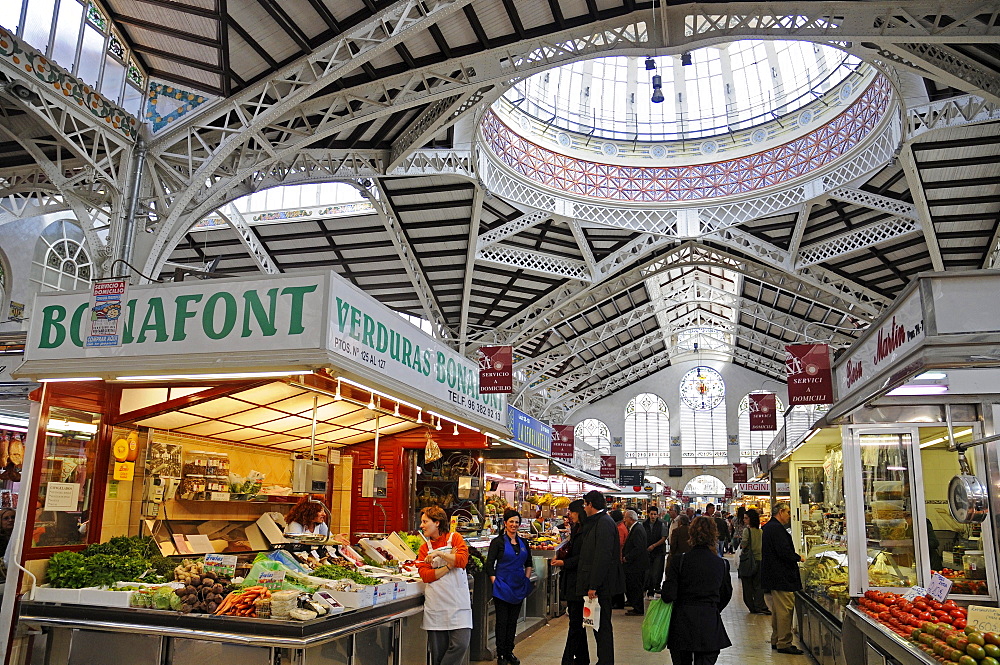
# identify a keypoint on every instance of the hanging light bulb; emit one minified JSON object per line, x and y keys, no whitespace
{"x":371,"y":402}
{"x":396,"y":410}
{"x":650,"y":64}
{"x":455,"y":432}
{"x":438,"y":424}
{"x":420,"y":417}
{"x":336,"y":395}
{"x":657,"y":89}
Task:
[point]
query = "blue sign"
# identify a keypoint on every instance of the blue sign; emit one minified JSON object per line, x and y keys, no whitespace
{"x":528,"y":431}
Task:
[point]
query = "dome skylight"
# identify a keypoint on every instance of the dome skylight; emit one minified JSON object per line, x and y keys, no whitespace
{"x":726,"y":88}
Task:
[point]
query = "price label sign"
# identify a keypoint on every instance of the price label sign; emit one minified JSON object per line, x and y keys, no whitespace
{"x":984,"y":619}
{"x":914,"y":592}
{"x":939,"y":588}
{"x":223,"y":565}
{"x":271,"y":579}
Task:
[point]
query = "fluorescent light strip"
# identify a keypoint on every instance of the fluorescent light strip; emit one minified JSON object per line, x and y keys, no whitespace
{"x":942,"y":439}
{"x":72,"y":378}
{"x":13,"y":428}
{"x":918,"y":389}
{"x":12,"y":420}
{"x":931,"y":376}
{"x":200,"y":377}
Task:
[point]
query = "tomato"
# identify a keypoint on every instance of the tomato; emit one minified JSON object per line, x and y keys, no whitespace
{"x":975,"y":651}
{"x":926,"y":616}
{"x":967,"y":660}
{"x":992,"y":650}
{"x":940,"y":614}
{"x":921,"y":605}
{"x":992,"y":638}
{"x":957,"y":613}
{"x":961,"y":643}
{"x":959,"y":624}
{"x":935,"y":605}
{"x":954,"y":654}
{"x":989,"y":660}
{"x":950,"y":604}
{"x":976,"y":638}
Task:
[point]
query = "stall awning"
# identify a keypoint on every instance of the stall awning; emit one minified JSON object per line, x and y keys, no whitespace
{"x":583,"y":476}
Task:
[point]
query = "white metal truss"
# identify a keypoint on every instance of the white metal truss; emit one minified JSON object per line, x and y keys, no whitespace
{"x":428,"y":301}
{"x":857,"y":239}
{"x":28,"y":192}
{"x":916,"y":186}
{"x":801,"y":221}
{"x":511,"y":228}
{"x":874,"y":202}
{"x":475,"y":220}
{"x":951,"y":112}
{"x":944,"y":64}
{"x":265,"y":262}
{"x":531,"y":260}
{"x":911,"y":21}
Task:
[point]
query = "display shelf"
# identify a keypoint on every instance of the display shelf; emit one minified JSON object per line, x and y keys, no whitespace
{"x":891,"y":543}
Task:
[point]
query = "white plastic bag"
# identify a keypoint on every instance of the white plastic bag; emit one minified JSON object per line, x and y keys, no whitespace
{"x":591,"y":613}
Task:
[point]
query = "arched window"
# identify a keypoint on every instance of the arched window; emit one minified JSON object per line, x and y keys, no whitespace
{"x":61,"y":261}
{"x":703,"y":417}
{"x":753,"y":444}
{"x":647,"y":431}
{"x":592,"y":439}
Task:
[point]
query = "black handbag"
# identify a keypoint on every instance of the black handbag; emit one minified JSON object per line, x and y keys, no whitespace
{"x":748,"y":564}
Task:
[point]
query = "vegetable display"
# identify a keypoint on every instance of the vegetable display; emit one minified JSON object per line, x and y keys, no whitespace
{"x":204,"y":591}
{"x":241,"y":602}
{"x":340,"y":573}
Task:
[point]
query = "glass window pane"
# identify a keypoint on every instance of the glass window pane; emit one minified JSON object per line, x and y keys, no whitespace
{"x":10,"y":14}
{"x":38,"y":29}
{"x":91,"y":56}
{"x":133,"y":100}
{"x":888,"y":499}
{"x":114,"y":76}
{"x":67,"y":33}
{"x":68,"y":474}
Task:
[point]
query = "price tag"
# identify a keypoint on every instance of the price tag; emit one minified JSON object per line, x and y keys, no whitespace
{"x":913,"y":592}
{"x":939,"y":588}
{"x":223,"y":565}
{"x":984,"y":619}
{"x":271,"y":579}
{"x":220,"y":496}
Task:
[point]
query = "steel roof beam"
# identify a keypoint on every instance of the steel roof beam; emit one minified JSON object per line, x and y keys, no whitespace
{"x":258,"y":252}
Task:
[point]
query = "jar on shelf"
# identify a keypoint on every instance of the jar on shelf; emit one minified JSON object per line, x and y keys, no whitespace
{"x":974,"y":565}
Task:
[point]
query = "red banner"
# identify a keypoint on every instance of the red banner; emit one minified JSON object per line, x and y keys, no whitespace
{"x":763,"y":412}
{"x":668,"y":491}
{"x":563,"y":441}
{"x":739,"y":472}
{"x":728,"y":494}
{"x":809,"y":378}
{"x":496,"y":369}
{"x":609,"y":467}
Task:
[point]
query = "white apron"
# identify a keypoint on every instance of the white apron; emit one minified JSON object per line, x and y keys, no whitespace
{"x":447,"y":602}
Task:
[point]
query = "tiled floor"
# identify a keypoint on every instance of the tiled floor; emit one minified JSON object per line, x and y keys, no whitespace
{"x":749,"y":633}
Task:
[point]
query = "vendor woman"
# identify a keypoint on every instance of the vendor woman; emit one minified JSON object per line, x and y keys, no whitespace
{"x":307,"y":517}
{"x":447,"y":601}
{"x":509,"y":566}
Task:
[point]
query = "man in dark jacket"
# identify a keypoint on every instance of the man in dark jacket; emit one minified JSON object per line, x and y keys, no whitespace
{"x":779,"y":576}
{"x":721,"y":525}
{"x":599,"y":572}
{"x":635,"y":560}
{"x":567,"y":557}
{"x":656,"y":544}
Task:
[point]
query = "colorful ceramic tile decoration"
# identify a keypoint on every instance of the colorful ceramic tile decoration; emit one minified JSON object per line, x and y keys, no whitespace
{"x":693,"y":182}
{"x":17,"y":52}
{"x":167,"y":103}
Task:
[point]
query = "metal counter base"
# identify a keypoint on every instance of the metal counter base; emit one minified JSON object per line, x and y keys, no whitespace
{"x":387,"y":634}
{"x":866,"y":643}
{"x":819,"y":631}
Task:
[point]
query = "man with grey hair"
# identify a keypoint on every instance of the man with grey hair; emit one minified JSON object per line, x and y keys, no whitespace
{"x":635,"y":558}
{"x":779,"y":576}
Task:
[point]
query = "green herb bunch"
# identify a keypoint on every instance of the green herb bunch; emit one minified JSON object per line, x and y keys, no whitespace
{"x":333,"y":572}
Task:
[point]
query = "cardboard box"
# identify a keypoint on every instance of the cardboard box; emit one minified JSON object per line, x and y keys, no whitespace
{"x":362,"y":597}
{"x":272,"y":527}
{"x":385,"y":593}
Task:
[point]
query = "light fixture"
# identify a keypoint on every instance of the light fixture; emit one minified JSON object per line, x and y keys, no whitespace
{"x":371,"y":402}
{"x":7,"y":421}
{"x":376,"y":392}
{"x":438,"y":427}
{"x":420,"y":417}
{"x":201,"y":377}
{"x":686,"y":58}
{"x":57,"y":425}
{"x":650,"y":64}
{"x":455,"y":431}
{"x":337,"y":396}
{"x":657,"y":89}
{"x":70,"y":378}
{"x":931,"y":376}
{"x":914,"y":389}
{"x":941,"y":439}
{"x":395,"y":411}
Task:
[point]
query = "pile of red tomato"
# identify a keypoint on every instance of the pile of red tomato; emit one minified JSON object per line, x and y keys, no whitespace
{"x":939,"y":629}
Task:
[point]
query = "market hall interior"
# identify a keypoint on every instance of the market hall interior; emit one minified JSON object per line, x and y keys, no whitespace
{"x":276,"y":278}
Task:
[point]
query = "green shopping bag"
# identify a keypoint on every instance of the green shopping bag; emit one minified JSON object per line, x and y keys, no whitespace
{"x":656,"y":625}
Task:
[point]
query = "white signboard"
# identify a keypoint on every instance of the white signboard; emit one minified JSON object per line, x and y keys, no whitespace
{"x":891,"y":341}
{"x":984,"y":619}
{"x":7,"y":365}
{"x":62,"y":497}
{"x":939,"y":588}
{"x":913,"y":592}
{"x":753,"y":487}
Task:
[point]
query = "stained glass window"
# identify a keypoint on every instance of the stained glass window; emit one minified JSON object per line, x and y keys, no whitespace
{"x":647,"y":431}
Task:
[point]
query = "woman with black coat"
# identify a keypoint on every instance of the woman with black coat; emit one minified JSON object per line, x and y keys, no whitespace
{"x":678,"y":539}
{"x":699,"y":585}
{"x":568,"y":558}
{"x":509,"y":567}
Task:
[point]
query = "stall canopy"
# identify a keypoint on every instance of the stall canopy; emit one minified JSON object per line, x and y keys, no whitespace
{"x":582,"y":476}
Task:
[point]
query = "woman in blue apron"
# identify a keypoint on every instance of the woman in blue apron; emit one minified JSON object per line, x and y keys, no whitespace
{"x":509,"y":566}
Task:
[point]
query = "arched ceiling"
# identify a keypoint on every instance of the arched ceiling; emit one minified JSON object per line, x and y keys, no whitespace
{"x":385,"y":94}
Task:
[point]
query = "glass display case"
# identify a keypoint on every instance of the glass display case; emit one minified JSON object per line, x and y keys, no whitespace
{"x":824,"y":577}
{"x":823,"y":531}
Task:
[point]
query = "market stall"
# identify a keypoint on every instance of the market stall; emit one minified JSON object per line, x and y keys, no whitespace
{"x":880,"y":512}
{"x":224,"y":405}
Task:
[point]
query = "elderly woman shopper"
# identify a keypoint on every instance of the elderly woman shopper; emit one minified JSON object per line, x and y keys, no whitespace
{"x":508,"y":565}
{"x":447,"y":601}
{"x":699,"y":585}
{"x":576,"y":651}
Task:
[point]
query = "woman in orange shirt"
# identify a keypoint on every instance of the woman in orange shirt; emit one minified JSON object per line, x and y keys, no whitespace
{"x":447,"y":601}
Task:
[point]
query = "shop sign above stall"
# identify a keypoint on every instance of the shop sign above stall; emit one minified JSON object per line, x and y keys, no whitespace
{"x":739,"y":472}
{"x":728,"y":494}
{"x":563,"y":441}
{"x":753,"y":488}
{"x":609,"y":466}
{"x":893,"y":339}
{"x":631,"y":477}
{"x":529,"y":432}
{"x":496,"y":369}
{"x":810,"y":380}
{"x":763,"y":412}
{"x":667,"y":491}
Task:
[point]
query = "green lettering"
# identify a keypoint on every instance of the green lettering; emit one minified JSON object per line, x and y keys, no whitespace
{"x":394,"y":342}
{"x":428,"y":357}
{"x":416,"y":358}
{"x":298,"y":294}
{"x":53,"y":332}
{"x":407,"y":351}
{"x":265,"y":320}
{"x":127,"y":335}
{"x":342,"y":309}
{"x":440,"y":367}
{"x":355,"y":322}
{"x":381,"y":338}
{"x":181,"y":314}
{"x":367,"y":337}
{"x":229,"y":316}
{"x":451,"y":372}
{"x":76,"y":321}
{"x":155,"y":321}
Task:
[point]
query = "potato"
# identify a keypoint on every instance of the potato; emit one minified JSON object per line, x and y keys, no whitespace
{"x":195,"y":580}
{"x":217,"y":588}
{"x":181,"y":592}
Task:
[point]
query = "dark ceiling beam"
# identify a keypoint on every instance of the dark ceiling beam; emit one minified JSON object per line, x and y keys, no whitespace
{"x":287,"y":25}
{"x":324,"y":13}
{"x":956,"y":163}
{"x":182,"y":8}
{"x":964,"y":182}
{"x":439,"y":39}
{"x":163,"y":30}
{"x":453,"y":186}
{"x":176,"y":57}
{"x":965,"y":200}
{"x":515,"y":19}
{"x":557,"y":14}
{"x":477,"y":27}
{"x":223,"y":34}
{"x":183,"y":80}
{"x":245,"y":36}
{"x":952,"y":144}
{"x":405,"y":54}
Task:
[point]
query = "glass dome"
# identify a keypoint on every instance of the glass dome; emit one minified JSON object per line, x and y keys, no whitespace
{"x":725,"y":88}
